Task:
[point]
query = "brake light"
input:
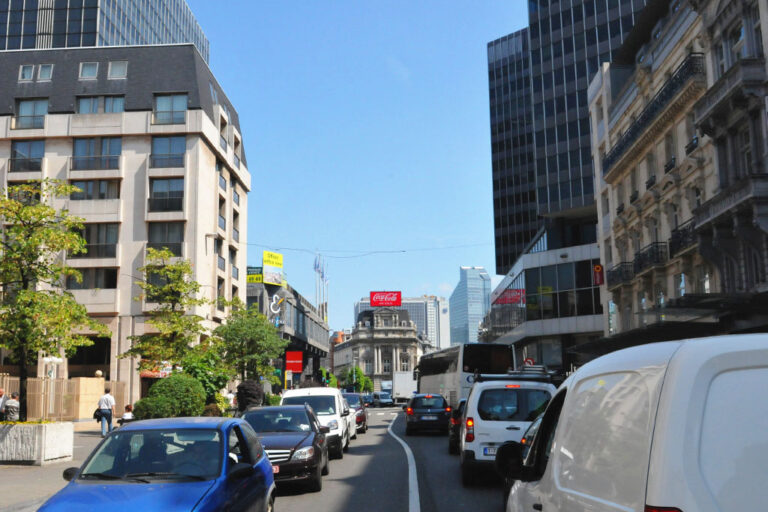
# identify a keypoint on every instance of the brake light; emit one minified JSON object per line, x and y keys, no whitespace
{"x":512,"y":386}
{"x":454,"y":421}
{"x":447,"y":409}
{"x":649,"y":508}
{"x":428,"y":396}
{"x":470,"y":434}
{"x":409,"y":411}
{"x":522,"y":441}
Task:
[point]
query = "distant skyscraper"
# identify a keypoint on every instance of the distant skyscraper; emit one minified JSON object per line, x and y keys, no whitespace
{"x":469,"y":303}
{"x":429,"y":313}
{"x":69,"y":23}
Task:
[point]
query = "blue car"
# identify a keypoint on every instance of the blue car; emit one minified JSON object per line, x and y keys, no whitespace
{"x":172,"y":464}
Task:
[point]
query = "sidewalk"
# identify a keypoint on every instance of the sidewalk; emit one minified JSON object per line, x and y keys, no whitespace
{"x":25,"y":488}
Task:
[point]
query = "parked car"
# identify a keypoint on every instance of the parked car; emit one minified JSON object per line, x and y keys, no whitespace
{"x":499,"y":409}
{"x":350,"y":417}
{"x":294,"y":441}
{"x":205,"y":464}
{"x":672,"y":426}
{"x":360,"y":411}
{"x":455,"y":428}
{"x":427,"y":412}
{"x":382,"y":399}
{"x":368,"y":400}
{"x":328,"y":404}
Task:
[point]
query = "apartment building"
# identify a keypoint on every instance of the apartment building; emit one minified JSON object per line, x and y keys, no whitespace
{"x":151,"y":140}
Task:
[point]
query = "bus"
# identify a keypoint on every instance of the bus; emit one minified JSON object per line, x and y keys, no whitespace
{"x":450,"y":372}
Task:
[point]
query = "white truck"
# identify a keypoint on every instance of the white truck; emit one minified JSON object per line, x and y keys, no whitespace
{"x":403,"y":386}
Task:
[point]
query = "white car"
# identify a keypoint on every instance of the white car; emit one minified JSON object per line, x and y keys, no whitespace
{"x":329,"y":406}
{"x":676,"y":426}
{"x":351,"y":420}
{"x":499,"y":410}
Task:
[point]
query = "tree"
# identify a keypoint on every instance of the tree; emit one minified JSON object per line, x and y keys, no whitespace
{"x":330,"y":379}
{"x":354,"y":376}
{"x":168,"y":284}
{"x":205,"y":362}
{"x":250,"y":342}
{"x":36,"y":315}
{"x":367,"y":385}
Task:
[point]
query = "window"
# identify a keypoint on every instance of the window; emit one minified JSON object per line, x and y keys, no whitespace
{"x":44,"y":72}
{"x":170,"y":109}
{"x":95,"y":189}
{"x":745,"y":152}
{"x":88,"y":105}
{"x":168,"y":151}
{"x":100,"y":240}
{"x":114,"y":104}
{"x":117,"y":69}
{"x":508,"y":404}
{"x":89,"y":70}
{"x":386,"y":365}
{"x":27,"y":155}
{"x":166,"y":234}
{"x":26,"y":73}
{"x":92,"y":278}
{"x":31,"y":114}
{"x":96,"y":153}
{"x":166,"y":194}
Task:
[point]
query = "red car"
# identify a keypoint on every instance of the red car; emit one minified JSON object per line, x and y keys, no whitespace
{"x":357,"y":406}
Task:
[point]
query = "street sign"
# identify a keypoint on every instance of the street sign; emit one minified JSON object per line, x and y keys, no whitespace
{"x":529,"y":361}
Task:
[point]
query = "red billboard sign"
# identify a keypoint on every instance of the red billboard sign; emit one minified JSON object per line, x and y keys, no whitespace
{"x":294,"y":360}
{"x":379,"y":299}
{"x":598,"y":276}
{"x":511,"y":296}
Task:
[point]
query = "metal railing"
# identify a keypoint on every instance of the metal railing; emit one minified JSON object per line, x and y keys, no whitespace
{"x":28,"y":122}
{"x":619,"y":274}
{"x":692,"y":67}
{"x":94,"y":162}
{"x":169,"y":117}
{"x":682,"y":237}
{"x":650,"y":256}
{"x":166,"y":204}
{"x":669,"y":166}
{"x":222,"y":222}
{"x":172,"y":160}
{"x":26,"y":164}
{"x":97,"y":251}
{"x":693,"y":144}
{"x":174,"y":247}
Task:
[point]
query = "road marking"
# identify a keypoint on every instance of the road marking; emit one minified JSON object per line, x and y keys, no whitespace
{"x":414,"y":504}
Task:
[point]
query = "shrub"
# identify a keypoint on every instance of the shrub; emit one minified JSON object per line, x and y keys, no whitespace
{"x":270,"y":399}
{"x":153,"y":407}
{"x":211,"y":410}
{"x":223,"y":403}
{"x":175,"y":396}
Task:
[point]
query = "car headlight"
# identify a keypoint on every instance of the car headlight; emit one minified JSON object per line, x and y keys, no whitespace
{"x":333,"y":424}
{"x":305,"y":453}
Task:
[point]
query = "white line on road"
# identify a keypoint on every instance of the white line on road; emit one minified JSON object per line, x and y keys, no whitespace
{"x":414,"y":504}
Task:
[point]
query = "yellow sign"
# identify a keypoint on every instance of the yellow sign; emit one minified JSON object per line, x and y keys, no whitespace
{"x":255,"y":278}
{"x":272,"y":268}
{"x":546,"y":289}
{"x":273,"y":259}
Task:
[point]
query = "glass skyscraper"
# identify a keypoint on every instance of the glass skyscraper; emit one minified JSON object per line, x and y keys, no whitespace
{"x":568,"y":39}
{"x":71,"y":23}
{"x":469,"y":302}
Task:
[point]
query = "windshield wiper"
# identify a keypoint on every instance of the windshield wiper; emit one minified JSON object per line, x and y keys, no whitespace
{"x":165,"y":474}
{"x":101,"y":476}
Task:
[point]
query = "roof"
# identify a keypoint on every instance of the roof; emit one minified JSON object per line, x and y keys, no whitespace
{"x":211,"y":422}
{"x":311,"y":392}
{"x":296,"y":407}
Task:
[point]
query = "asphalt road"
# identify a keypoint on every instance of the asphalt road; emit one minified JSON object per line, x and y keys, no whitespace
{"x":373,"y":476}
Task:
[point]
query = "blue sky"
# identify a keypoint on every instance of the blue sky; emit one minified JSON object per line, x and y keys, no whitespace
{"x":365,"y":126}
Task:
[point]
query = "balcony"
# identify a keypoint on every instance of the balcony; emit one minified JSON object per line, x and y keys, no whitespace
{"x":620,"y":274}
{"x":692,"y":68}
{"x":222,"y":223}
{"x":172,"y":160}
{"x":620,"y":209}
{"x":94,"y":163}
{"x":650,"y":256}
{"x":165,"y":204}
{"x":26,"y":164}
{"x":98,"y":300}
{"x":28,"y":122}
{"x":235,"y":272}
{"x":682,"y":238}
{"x":650,"y":182}
{"x":746,"y":77}
{"x":174,"y":247}
{"x":222,"y":263}
{"x":692,"y":145}
{"x":235,"y":234}
{"x":747,"y":191}
{"x":670,"y":166}
{"x":97,"y":251}
{"x":169,"y":117}
{"x":634,"y":196}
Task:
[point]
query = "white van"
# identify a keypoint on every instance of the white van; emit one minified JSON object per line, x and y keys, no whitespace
{"x":332,"y":411}
{"x":675,"y":426}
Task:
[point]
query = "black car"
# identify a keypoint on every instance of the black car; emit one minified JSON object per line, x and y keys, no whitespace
{"x":357,"y":405}
{"x":294,"y":441}
{"x":454,"y":432}
{"x":427,"y":412}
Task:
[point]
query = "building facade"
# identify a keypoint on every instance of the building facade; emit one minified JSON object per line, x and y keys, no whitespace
{"x":382,"y":342}
{"x":151,"y":140}
{"x":27,"y":24}
{"x":469,"y":303}
{"x":429,"y":312}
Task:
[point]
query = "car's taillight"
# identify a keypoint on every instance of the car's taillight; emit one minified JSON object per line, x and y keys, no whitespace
{"x":454,"y":421}
{"x":470,"y":434}
{"x":649,"y":508}
{"x":447,"y":409}
{"x":409,"y":411}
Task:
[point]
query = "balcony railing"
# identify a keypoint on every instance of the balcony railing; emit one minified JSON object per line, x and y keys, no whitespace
{"x":166,"y":204}
{"x":693,"y":144}
{"x":94,"y":163}
{"x":692,"y":67}
{"x":682,"y":238}
{"x":26,"y":164}
{"x":620,"y":274}
{"x":650,"y":182}
{"x":172,"y":160}
{"x":650,"y":256}
{"x":669,"y":166}
{"x":634,"y":196}
{"x":27,"y":122}
{"x":620,"y":209}
{"x":222,"y":263}
{"x":235,"y":234}
{"x":169,"y":117}
{"x":222,"y":222}
{"x":97,"y":251}
{"x":235,"y":272}
{"x":174,"y":247}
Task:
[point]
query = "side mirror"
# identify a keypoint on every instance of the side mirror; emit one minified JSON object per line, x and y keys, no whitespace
{"x":324,"y":430}
{"x":345,"y":412}
{"x":240,"y":470}
{"x":405,"y":406}
{"x":70,"y":473}
{"x":509,"y":461}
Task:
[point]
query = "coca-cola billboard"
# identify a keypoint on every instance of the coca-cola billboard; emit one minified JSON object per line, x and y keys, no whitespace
{"x":379,"y":299}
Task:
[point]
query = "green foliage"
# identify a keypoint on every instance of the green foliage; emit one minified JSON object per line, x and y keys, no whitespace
{"x":367,"y":385}
{"x":270,"y":399}
{"x":354,"y":376}
{"x":330,"y":378}
{"x":168,"y":284}
{"x":250,"y":342}
{"x":212,"y":410}
{"x":223,"y":403}
{"x":175,"y":396}
{"x":35,"y":314}
{"x":205,"y":362}
{"x":153,"y":407}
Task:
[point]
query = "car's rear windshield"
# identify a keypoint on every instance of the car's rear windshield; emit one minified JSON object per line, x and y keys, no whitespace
{"x":510,"y":404}
{"x":434,"y":402}
{"x":384,"y":396}
{"x":354,"y":400}
{"x":324,"y":405}
{"x":278,"y":420}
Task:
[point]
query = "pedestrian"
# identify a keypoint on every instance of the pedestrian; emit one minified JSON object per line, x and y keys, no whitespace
{"x":231,"y":398}
{"x":12,"y":407}
{"x":128,"y":414}
{"x":107,"y":410}
{"x":3,"y":399}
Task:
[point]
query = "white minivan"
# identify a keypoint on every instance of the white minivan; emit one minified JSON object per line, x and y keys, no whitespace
{"x":665,"y":427}
{"x":332,"y":411}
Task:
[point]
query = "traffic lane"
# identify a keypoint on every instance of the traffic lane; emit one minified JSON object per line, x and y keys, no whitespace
{"x":439,"y":475}
{"x":372,"y":476}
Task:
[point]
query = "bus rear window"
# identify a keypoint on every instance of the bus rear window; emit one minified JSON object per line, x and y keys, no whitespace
{"x":487,"y":358}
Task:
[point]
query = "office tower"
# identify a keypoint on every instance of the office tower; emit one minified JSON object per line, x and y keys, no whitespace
{"x":26,"y":24}
{"x":154,"y":169}
{"x":469,"y":303}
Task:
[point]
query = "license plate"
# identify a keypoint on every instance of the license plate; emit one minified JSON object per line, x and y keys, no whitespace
{"x":275,"y":469}
{"x":491,"y":450}
{"x":429,"y":417}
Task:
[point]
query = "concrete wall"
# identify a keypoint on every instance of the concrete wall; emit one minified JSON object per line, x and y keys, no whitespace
{"x":36,"y":444}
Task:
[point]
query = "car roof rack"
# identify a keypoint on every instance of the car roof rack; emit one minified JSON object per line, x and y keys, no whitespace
{"x":537,"y":373}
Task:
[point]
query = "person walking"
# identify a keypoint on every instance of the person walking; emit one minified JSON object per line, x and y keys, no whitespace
{"x":12,"y":407}
{"x":107,"y":408}
{"x":3,"y":399}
